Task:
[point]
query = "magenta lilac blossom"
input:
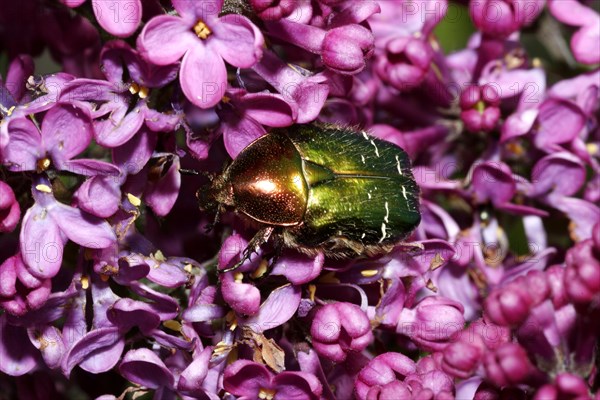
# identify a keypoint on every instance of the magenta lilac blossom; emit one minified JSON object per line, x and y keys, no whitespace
{"x":116,"y":277}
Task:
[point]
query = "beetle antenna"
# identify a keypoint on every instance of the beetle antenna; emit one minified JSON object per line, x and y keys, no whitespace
{"x":258,"y":240}
{"x":184,"y":171}
{"x":210,"y":227}
{"x":206,"y":174}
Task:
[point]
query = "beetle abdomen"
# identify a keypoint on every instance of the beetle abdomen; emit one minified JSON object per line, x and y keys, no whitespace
{"x":368,"y":199}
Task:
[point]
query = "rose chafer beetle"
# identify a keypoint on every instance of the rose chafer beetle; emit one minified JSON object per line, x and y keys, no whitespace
{"x":320,"y":189}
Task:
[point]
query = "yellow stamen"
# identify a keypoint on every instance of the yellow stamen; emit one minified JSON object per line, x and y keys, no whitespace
{"x":329,"y":277}
{"x":43,"y":188}
{"x":480,"y":106}
{"x":311,"y":292}
{"x":172,"y":325}
{"x":143,"y":93}
{"x":266,"y":394}
{"x":159,"y":256}
{"x":515,"y":148}
{"x":202,"y":30}
{"x":85,"y":282}
{"x":134,"y":88}
{"x":135,"y":201}
{"x":368,"y":273}
{"x":43,"y":164}
{"x":431,"y":286}
{"x":261,"y":270}
{"x":238,"y":277}
{"x":592,"y":148}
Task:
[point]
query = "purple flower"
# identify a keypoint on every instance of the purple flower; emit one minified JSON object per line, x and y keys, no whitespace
{"x":47,"y":226}
{"x":119,"y":106}
{"x":585,"y":41}
{"x":15,"y":101}
{"x":244,"y":114}
{"x":494,"y":182}
{"x":383,"y":377}
{"x":277,"y":309}
{"x":66,"y":131}
{"x":500,"y":18}
{"x":10,"y":212}
{"x":480,"y":111}
{"x":306,"y":94}
{"x":463,"y":357}
{"x":340,"y":328}
{"x":429,"y":381}
{"x":156,"y":373}
{"x":510,"y":305}
{"x":243,"y":298}
{"x":20,"y":291}
{"x":17,"y":353}
{"x":405,"y":63}
{"x":582,"y":274}
{"x":509,"y":365}
{"x":432,"y":322}
{"x":344,"y":46}
{"x":204,"y":40}
{"x":565,"y":386}
{"x":272,"y":10}
{"x":251,"y":380}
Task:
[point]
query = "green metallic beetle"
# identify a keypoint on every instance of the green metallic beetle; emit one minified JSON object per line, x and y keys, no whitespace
{"x":320,"y":189}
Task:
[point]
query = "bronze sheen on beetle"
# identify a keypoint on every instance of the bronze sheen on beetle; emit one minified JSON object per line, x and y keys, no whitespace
{"x":320,"y":189}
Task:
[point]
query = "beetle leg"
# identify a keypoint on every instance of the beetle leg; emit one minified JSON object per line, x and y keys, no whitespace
{"x":412,"y":245}
{"x":258,"y":240}
{"x":278,"y":247}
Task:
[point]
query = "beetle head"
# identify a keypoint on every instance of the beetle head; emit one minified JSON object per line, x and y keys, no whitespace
{"x":212,"y":195}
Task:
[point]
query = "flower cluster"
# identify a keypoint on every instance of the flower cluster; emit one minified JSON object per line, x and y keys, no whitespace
{"x":112,"y":287}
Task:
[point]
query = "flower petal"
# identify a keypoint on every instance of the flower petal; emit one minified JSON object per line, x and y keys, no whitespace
{"x":165,"y":39}
{"x":276,"y":310}
{"x":120,"y":17}
{"x":98,"y":351}
{"x":203,"y":76}
{"x":82,"y":228}
{"x":198,"y":9}
{"x":42,"y":243}
{"x":16,"y":351}
{"x":24,"y":147}
{"x":237,"y":40}
{"x":66,"y":132}
{"x":560,"y":122}
{"x":144,"y":367}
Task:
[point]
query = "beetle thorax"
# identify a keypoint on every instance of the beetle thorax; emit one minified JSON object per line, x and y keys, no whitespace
{"x":221,"y":191}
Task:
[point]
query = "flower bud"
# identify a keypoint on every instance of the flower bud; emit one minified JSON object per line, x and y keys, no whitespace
{"x":500,"y":18}
{"x":346,"y":48}
{"x":405,"y":63}
{"x":462,"y":358}
{"x":272,"y":10}
{"x":582,"y":274}
{"x":10,"y":212}
{"x":340,"y":328}
{"x":383,"y":377}
{"x":508,"y":365}
{"x":510,"y":304}
{"x":565,"y":386}
{"x":480,"y":111}
{"x":432,"y":322}
{"x":18,"y":294}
